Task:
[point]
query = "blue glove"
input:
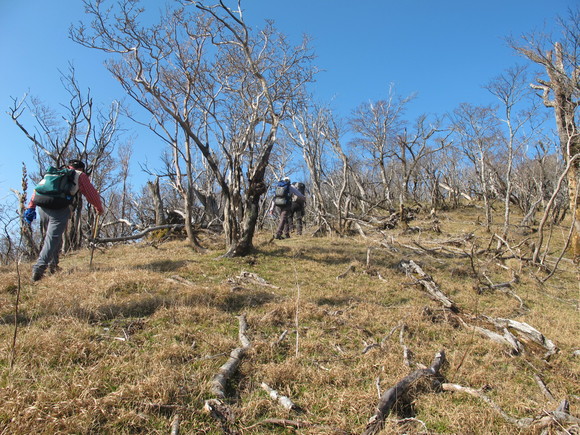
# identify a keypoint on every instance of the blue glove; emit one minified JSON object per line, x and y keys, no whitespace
{"x":29,"y":215}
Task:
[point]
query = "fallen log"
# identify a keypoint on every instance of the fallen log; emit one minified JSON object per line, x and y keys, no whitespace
{"x":506,"y":339}
{"x":138,"y":235}
{"x":226,"y":371}
{"x":428,"y":284}
{"x":396,"y":393}
{"x":528,"y":332}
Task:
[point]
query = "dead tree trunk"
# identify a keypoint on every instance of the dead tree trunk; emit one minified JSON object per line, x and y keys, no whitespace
{"x":157,"y":201}
{"x":399,"y":392}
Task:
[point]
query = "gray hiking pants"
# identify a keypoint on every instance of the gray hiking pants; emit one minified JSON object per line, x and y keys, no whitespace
{"x":54,"y":222}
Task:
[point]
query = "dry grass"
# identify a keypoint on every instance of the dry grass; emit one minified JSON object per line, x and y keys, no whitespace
{"x":123,"y":347}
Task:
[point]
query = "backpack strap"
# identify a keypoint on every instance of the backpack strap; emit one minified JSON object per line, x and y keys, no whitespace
{"x":76,"y":177}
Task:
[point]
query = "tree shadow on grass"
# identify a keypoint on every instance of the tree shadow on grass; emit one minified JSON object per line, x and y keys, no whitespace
{"x":21,"y":319}
{"x":238,"y":301}
{"x":141,"y":307}
{"x":163,"y":265}
{"x":337,"y":302}
{"x":327,"y":256}
{"x":232,"y":302}
{"x":145,"y":305}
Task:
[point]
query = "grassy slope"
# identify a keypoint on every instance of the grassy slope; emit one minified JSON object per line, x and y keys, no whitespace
{"x":120,"y":348}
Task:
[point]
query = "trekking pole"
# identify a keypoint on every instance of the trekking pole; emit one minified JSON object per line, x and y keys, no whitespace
{"x":93,"y":243}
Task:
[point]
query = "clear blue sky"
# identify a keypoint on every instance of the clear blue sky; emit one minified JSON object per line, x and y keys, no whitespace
{"x":443,"y":50}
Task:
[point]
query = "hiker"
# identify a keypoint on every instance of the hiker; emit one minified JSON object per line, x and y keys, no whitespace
{"x":283,"y":201}
{"x":55,"y":211}
{"x":297,"y":209}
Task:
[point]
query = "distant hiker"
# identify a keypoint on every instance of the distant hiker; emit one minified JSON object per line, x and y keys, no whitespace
{"x":283,"y":201}
{"x":53,"y":196}
{"x":297,"y":209}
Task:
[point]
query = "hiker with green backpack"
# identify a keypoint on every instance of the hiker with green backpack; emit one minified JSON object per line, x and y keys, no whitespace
{"x":283,"y":201}
{"x":54,"y":196}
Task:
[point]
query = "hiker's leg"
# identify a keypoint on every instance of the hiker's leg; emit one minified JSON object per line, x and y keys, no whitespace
{"x":53,"y":265}
{"x":283,"y":225}
{"x":57,"y":220}
{"x":287,"y":222}
{"x":299,"y":222}
{"x":290,"y":221}
{"x":281,"y":221}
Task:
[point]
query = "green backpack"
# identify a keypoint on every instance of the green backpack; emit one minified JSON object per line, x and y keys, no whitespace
{"x":55,"y":189}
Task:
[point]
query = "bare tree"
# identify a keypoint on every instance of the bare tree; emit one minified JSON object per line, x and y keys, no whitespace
{"x":378,"y":126}
{"x":157,"y":201}
{"x":223,"y":85}
{"x":561,"y":92}
{"x":8,"y":249}
{"x":479,"y":135}
{"x":413,"y":147}
{"x":510,"y":89}
{"x":125,"y":152}
{"x":309,"y":132}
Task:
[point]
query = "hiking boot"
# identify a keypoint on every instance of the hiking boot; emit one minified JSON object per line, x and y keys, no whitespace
{"x":278,"y":237}
{"x":37,"y":274}
{"x":53,"y":268}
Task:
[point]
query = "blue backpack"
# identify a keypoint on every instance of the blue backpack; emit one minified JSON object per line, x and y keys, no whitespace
{"x":282,"y":194}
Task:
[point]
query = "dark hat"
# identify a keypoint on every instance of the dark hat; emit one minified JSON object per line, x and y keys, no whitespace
{"x":77,"y":164}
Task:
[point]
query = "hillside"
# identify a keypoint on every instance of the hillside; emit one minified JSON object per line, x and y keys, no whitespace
{"x":132,"y":344}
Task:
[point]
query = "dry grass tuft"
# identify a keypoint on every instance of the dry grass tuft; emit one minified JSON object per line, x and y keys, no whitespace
{"x":126,"y":345}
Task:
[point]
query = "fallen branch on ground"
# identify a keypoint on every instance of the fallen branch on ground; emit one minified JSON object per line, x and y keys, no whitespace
{"x":138,"y":235}
{"x":527,"y":332}
{"x":175,"y":425}
{"x":296,"y":424}
{"x":350,"y":269}
{"x":283,"y":400}
{"x":251,"y":278}
{"x":560,"y":416}
{"x":180,"y":280}
{"x":435,"y":251}
{"x":218,"y":383}
{"x":281,"y":338}
{"x":222,"y":413}
{"x":428,"y":284}
{"x":507,"y":339}
{"x":543,"y":387}
{"x":396,"y":393}
{"x":407,"y":353}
